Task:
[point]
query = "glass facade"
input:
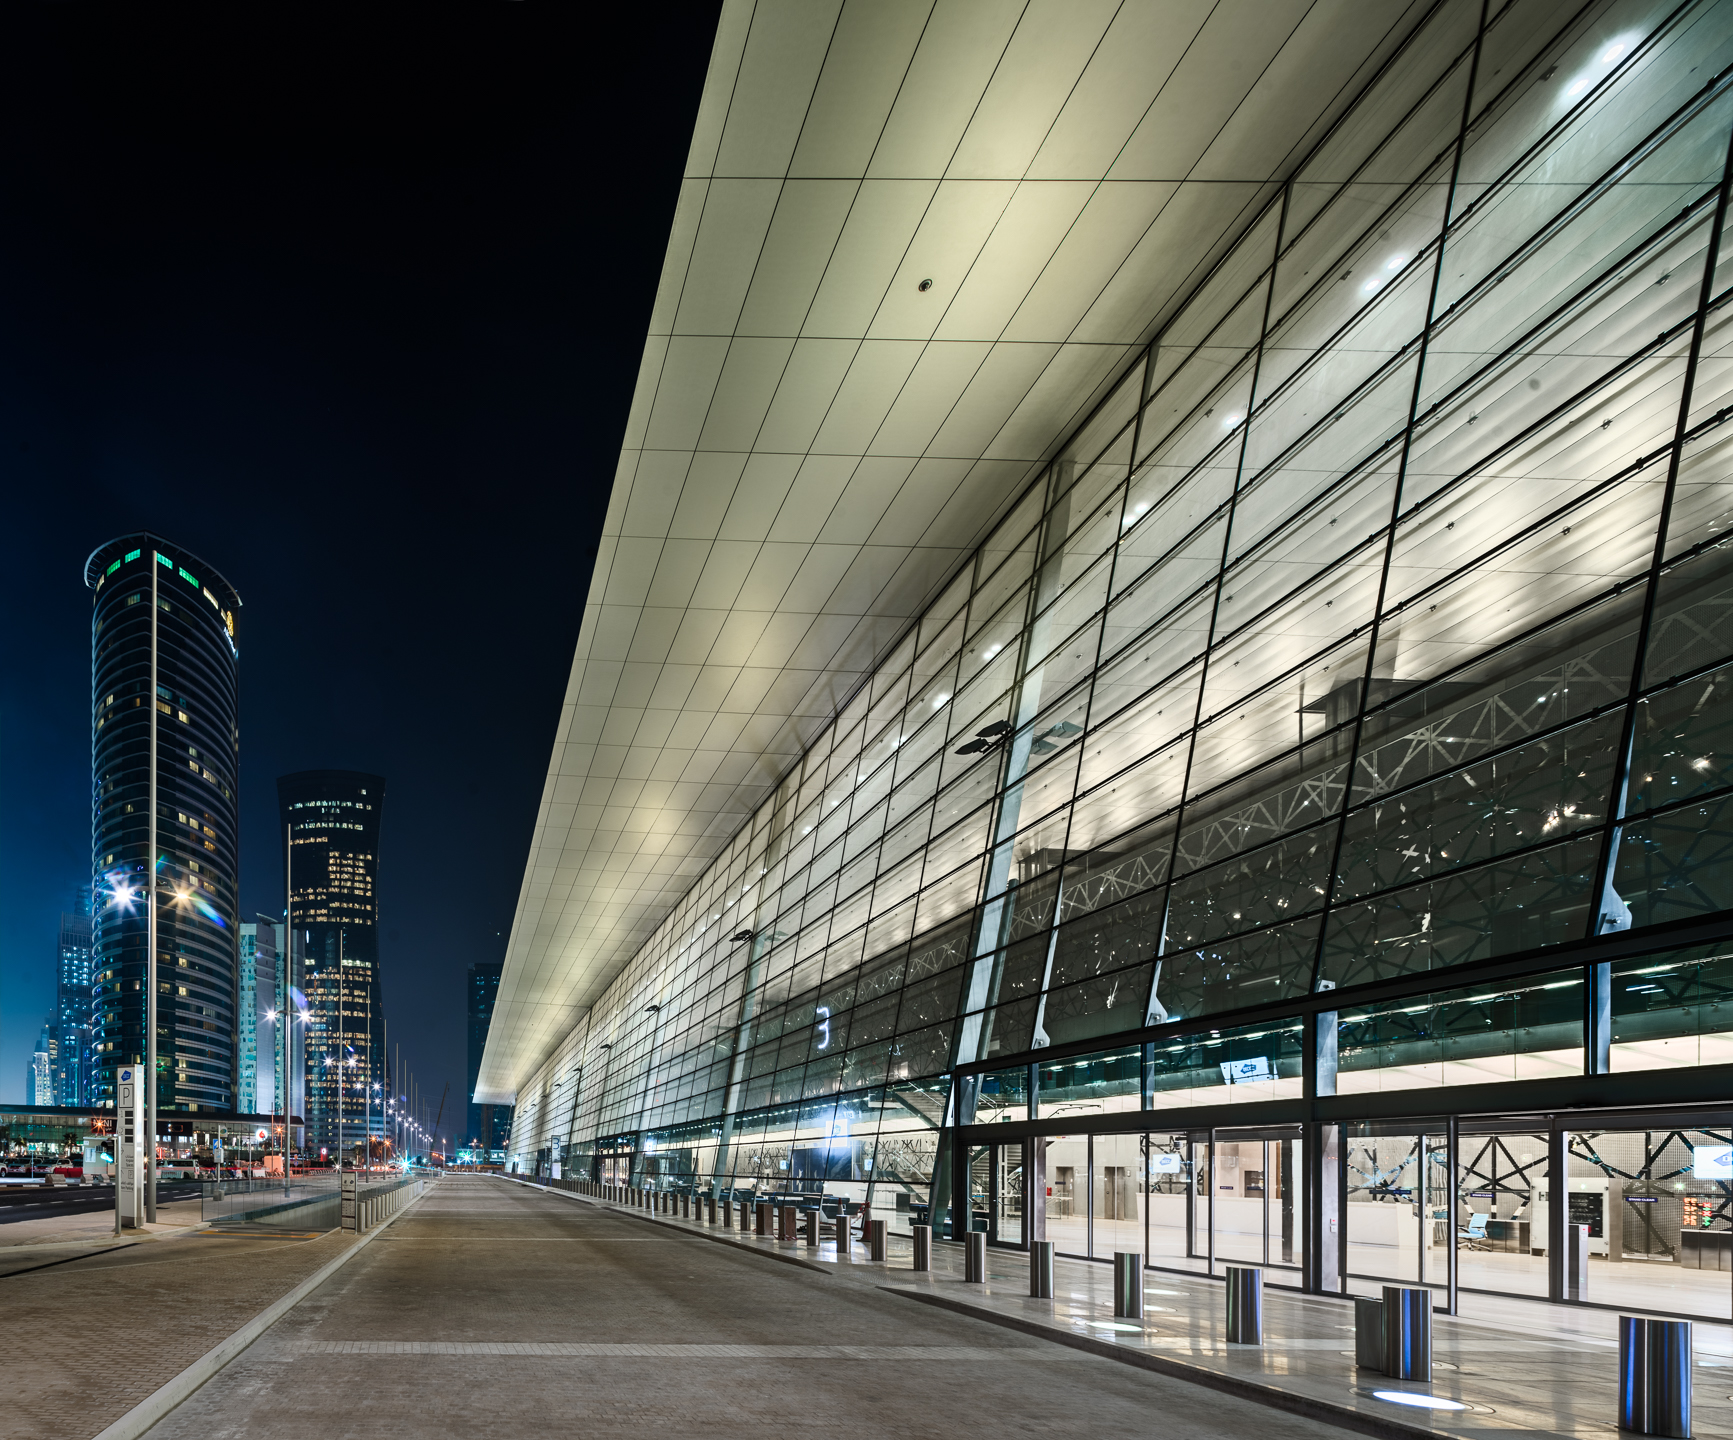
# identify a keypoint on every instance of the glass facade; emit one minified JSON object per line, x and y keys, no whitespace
{"x":330,"y":822}
{"x":149,"y":594}
{"x":486,"y":1126}
{"x":1355,"y":672}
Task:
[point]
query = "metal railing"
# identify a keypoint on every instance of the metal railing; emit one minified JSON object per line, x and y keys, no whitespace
{"x":309,"y":1202}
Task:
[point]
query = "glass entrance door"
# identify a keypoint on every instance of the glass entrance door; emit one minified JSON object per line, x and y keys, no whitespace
{"x":1167,"y":1162}
{"x":996,"y":1186}
{"x":1116,"y":1199}
{"x":1258,"y":1214}
{"x":1384,"y":1220}
{"x":1068,"y":1194}
{"x":1502,"y":1178}
{"x":1005,"y":1203}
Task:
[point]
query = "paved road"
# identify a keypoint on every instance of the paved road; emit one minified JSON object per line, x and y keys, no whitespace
{"x":34,"y":1203}
{"x":489,"y":1307}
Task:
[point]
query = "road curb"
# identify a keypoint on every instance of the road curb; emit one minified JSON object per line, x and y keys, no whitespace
{"x":155,"y":1407}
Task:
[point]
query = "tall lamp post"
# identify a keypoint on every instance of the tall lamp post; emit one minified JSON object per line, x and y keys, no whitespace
{"x":378,"y":1087}
{"x":150,"y":929}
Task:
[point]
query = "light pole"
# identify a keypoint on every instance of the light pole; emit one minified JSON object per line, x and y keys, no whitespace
{"x":282,"y":1033}
{"x":287,"y":1034}
{"x":150,"y":929}
{"x":121,"y":896}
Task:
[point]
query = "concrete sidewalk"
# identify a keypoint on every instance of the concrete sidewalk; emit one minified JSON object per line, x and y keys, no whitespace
{"x":1514,"y":1365}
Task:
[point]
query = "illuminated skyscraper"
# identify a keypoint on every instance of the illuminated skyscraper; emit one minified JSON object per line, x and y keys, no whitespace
{"x":330,"y":820}
{"x":164,"y":734}
{"x":488,"y":1124}
{"x":72,"y":1040}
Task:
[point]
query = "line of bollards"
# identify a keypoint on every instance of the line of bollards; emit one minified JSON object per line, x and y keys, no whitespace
{"x":1392,"y":1333}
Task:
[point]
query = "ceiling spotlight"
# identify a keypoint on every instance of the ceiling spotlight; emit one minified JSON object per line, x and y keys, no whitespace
{"x":924,"y":286}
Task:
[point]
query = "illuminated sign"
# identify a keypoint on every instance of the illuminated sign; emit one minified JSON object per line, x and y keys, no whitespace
{"x":823,"y":1028}
{"x":1712,"y":1162}
{"x":1241,"y":1072}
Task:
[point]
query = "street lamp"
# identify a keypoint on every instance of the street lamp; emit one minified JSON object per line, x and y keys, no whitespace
{"x":377,"y":1088}
{"x":285,"y":1039}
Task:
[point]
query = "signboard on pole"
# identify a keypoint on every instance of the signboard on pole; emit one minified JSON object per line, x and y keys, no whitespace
{"x":129,"y":1143}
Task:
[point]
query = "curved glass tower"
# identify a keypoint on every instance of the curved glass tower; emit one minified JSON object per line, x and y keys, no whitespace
{"x":164,"y":742}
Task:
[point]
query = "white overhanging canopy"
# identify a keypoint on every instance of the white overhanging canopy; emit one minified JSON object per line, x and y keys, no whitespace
{"x":819,"y":436}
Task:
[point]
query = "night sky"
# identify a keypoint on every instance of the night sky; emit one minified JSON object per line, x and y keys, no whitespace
{"x":350,"y":302}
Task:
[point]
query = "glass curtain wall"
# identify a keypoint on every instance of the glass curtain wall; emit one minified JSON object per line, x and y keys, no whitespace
{"x":1376,"y":623}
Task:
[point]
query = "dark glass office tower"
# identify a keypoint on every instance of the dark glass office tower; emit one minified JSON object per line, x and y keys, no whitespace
{"x":488,"y":1124}
{"x":330,"y":821}
{"x":72,"y":1003}
{"x":164,"y":742}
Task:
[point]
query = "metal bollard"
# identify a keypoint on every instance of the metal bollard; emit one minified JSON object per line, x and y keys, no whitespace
{"x":763,"y":1218}
{"x":727,"y":1214}
{"x":1655,"y":1376}
{"x":923,"y":1246}
{"x":880,"y":1247}
{"x":975,"y":1258}
{"x":812,"y":1216}
{"x":1407,"y":1333}
{"x":710,"y":1209}
{"x":844,"y":1242}
{"x":787,"y":1217}
{"x":1368,"y":1333}
{"x":1041,"y":1269}
{"x":1245,"y":1305}
{"x":1128,"y":1285}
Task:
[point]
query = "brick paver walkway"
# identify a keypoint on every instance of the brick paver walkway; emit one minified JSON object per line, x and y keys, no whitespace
{"x":84,"y":1342}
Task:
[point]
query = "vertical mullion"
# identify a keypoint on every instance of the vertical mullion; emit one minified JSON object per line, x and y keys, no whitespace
{"x":1596,"y":1020}
{"x":1220,"y":578}
{"x":1396,"y":502}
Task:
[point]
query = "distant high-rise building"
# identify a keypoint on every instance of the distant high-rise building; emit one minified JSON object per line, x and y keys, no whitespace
{"x":164,"y":734}
{"x":72,"y":998}
{"x":330,"y":820}
{"x":488,"y":1124}
{"x":258,"y":972}
{"x":39,"y":1083}
{"x":276,"y":992}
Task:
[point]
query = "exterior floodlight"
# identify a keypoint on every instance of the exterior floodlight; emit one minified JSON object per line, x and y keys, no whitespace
{"x":740,"y":937}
